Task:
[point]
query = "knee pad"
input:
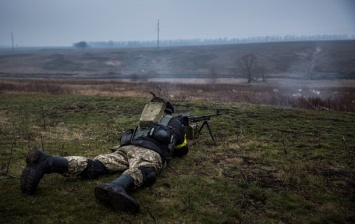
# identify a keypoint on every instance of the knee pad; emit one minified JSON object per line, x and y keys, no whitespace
{"x":149,"y":176}
{"x":93,"y":169}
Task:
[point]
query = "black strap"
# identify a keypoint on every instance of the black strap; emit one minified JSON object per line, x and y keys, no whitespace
{"x":165,"y":120}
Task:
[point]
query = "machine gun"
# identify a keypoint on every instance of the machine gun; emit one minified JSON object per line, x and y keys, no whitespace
{"x":188,"y":120}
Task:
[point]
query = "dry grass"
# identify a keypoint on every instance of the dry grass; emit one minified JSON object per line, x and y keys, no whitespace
{"x":337,"y":96}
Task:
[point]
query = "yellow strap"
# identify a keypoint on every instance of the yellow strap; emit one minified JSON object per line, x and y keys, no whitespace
{"x":182,"y":144}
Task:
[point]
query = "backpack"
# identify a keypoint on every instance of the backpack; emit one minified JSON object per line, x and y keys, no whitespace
{"x":153,"y":123}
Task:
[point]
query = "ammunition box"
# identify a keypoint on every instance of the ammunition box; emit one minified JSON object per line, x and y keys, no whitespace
{"x":191,"y":131}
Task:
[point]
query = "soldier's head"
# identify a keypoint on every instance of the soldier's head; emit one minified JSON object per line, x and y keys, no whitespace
{"x":169,"y":109}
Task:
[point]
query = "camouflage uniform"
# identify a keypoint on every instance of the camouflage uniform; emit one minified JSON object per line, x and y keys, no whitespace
{"x":128,"y":158}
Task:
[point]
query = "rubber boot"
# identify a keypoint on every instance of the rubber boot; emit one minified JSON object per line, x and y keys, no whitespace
{"x":115,"y":194}
{"x":93,"y":170}
{"x":38,"y":164}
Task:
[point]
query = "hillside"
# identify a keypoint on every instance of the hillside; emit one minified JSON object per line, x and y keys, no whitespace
{"x":334,"y":60}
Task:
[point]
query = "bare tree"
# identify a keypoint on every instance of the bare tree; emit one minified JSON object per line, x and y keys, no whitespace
{"x":213,"y":75}
{"x":306,"y":63}
{"x":262,"y":72}
{"x":311,"y":62}
{"x":247,"y":66}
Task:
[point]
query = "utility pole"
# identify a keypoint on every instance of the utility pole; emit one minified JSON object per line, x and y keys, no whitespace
{"x":158,"y":34}
{"x":12,"y":40}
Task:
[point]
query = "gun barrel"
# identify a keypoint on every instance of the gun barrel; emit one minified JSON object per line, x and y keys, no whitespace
{"x":203,"y":117}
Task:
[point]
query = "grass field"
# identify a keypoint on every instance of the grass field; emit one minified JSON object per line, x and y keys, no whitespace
{"x":269,"y":164}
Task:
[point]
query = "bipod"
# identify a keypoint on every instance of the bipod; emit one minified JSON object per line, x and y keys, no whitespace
{"x":205,"y":122}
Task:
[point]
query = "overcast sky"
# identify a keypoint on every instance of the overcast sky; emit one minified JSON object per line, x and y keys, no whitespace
{"x":64,"y":22}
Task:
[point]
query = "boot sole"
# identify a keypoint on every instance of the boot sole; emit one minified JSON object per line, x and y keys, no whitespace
{"x":107,"y":196}
{"x":29,"y":181}
{"x":102,"y":196}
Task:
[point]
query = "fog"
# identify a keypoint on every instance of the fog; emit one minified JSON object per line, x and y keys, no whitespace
{"x":64,"y":22}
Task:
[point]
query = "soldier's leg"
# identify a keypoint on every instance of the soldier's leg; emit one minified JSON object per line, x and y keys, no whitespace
{"x":83,"y":167}
{"x":39,"y":163}
{"x":93,"y":168}
{"x":143,"y":165}
{"x":114,"y":162}
{"x":101,"y":164}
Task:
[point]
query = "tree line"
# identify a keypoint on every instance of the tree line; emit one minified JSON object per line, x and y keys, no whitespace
{"x":193,"y":42}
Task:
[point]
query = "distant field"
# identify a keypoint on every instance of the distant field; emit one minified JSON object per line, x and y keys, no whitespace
{"x":330,"y":60}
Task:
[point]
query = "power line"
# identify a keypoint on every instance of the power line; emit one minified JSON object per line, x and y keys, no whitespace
{"x":158,"y":34}
{"x":12,"y":40}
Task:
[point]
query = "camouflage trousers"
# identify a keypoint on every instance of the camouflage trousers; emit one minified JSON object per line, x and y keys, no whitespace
{"x":126,"y":159}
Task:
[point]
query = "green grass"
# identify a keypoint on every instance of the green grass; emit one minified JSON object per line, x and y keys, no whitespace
{"x":267,"y":165}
